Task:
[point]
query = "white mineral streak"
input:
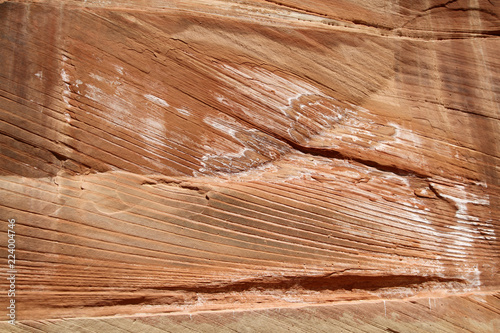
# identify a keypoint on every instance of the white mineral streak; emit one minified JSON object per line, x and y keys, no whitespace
{"x":97,"y":77}
{"x":158,"y":101}
{"x":267,"y":88}
{"x":66,"y":93}
{"x":220,"y":126}
{"x":94,"y":93}
{"x":229,"y":156}
{"x":183,"y":111}
{"x":294,"y":106}
{"x":119,"y":69}
{"x":469,"y":228}
{"x":64,"y":76}
{"x":461,"y":197}
{"x":154,"y":126}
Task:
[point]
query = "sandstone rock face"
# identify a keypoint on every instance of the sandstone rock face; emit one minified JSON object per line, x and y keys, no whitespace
{"x":194,"y":155}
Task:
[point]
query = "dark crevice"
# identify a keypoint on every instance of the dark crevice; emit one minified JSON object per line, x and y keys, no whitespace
{"x":329,"y":153}
{"x":443,"y":5}
{"x":320,"y":283}
{"x":372,"y":25}
{"x":469,"y":34}
{"x":436,"y":192}
{"x":326,"y":282}
{"x":481,"y":10}
{"x":391,"y":330}
{"x":176,"y":183}
{"x":310,"y":283}
{"x":128,"y":301}
{"x":452,"y":204}
{"x":295,"y":8}
{"x":60,"y":157}
{"x":462,"y":9}
{"x":355,"y":21}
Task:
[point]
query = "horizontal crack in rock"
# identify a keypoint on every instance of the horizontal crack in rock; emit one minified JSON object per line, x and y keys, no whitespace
{"x":321,"y":283}
{"x":348,"y":282}
{"x":176,"y":183}
{"x":329,"y":153}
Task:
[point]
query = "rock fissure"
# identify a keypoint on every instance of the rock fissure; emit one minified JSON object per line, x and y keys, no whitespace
{"x":349,"y":282}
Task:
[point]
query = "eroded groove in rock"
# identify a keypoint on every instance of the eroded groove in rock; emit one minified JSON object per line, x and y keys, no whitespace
{"x":192,"y":155}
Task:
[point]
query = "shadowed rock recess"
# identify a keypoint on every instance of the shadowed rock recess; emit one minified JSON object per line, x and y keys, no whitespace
{"x":172,"y":162}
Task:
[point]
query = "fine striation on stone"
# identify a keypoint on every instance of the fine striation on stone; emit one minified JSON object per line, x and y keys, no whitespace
{"x":189,"y":155}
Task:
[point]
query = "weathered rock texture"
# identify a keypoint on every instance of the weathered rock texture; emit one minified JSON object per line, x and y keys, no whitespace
{"x":190,"y":155}
{"x":476,"y":313}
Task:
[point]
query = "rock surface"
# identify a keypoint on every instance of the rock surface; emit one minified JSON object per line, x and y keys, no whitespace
{"x":475,"y":313}
{"x":196,"y":155}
